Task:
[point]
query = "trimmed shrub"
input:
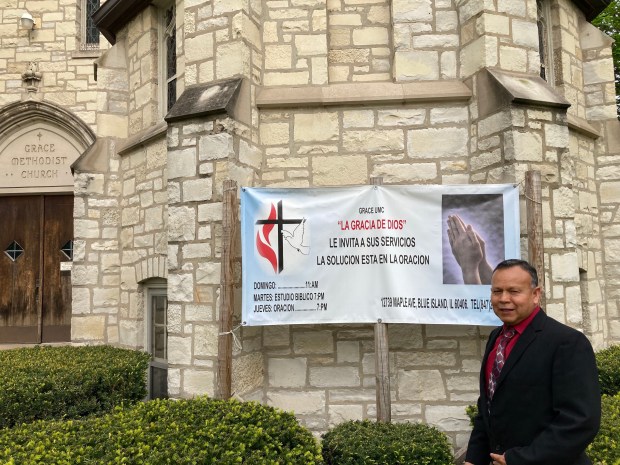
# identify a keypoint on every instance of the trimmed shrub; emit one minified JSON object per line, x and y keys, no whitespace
{"x":471,"y":411}
{"x":45,"y":382}
{"x":605,"y":449}
{"x":608,"y":363}
{"x":371,"y":443}
{"x":199,"y":431}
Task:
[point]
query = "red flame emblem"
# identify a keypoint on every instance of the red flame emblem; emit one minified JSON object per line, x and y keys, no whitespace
{"x":263,"y":244}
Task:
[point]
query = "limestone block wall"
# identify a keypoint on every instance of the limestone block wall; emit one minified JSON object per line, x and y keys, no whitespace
{"x":595,"y":155}
{"x":294,"y":38}
{"x":589,"y":247}
{"x":98,"y":214}
{"x":609,"y":192}
{"x":568,"y":55}
{"x":67,"y":74}
{"x":219,"y":40}
{"x":346,"y":146}
{"x":326,"y":373}
{"x":142,"y":232}
{"x":142,"y":225}
{"x":601,"y":113}
{"x":141,"y":39}
{"x":95,"y":276}
{"x":500,"y":34}
{"x":201,"y":155}
{"x":359,"y":41}
{"x":426,"y":39}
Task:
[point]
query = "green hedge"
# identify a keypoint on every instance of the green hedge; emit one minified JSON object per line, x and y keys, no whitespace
{"x":608,"y":363}
{"x":605,"y":449}
{"x":371,"y":443}
{"x":68,"y":382}
{"x":199,"y":431}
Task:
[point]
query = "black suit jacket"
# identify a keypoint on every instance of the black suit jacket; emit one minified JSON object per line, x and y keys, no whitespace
{"x":547,"y":405}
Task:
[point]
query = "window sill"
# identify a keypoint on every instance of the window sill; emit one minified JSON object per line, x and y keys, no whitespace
{"x":77,"y":54}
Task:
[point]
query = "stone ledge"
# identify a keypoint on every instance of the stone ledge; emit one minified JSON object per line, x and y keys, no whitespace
{"x":499,"y":89}
{"x":362,"y":94}
{"x":143,"y":137}
{"x":201,"y":100}
{"x":581,"y":126}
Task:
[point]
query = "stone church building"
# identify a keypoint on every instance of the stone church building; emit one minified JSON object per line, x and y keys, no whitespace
{"x":120,"y":121}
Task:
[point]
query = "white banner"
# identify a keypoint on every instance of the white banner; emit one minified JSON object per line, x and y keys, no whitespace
{"x":397,"y":254}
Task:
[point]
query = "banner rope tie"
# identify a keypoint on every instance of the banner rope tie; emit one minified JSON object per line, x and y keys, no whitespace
{"x":526,"y":196}
{"x":236,"y":340}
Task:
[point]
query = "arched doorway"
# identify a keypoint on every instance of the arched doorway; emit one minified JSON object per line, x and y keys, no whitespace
{"x":38,"y":143}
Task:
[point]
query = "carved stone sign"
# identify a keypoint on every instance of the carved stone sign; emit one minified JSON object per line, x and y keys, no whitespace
{"x":38,"y":156}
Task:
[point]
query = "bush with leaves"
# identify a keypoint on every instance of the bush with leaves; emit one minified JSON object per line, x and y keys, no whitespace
{"x":608,"y":363}
{"x":372,"y":443}
{"x":45,"y":382}
{"x":185,"y":432}
{"x":471,"y":411}
{"x":605,"y":449}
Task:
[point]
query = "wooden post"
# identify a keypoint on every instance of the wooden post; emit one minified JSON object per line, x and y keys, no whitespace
{"x":382,"y":360}
{"x":224,"y":346}
{"x":535,"y":246}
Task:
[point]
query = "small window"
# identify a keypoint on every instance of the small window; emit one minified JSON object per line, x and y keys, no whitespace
{"x":168,"y":59}
{"x":545,"y":43}
{"x":90,"y":33}
{"x":157,"y":341}
{"x":67,"y":250}
{"x":14,"y":250}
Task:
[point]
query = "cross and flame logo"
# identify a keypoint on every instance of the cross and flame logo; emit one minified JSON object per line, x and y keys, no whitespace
{"x":274,"y":253}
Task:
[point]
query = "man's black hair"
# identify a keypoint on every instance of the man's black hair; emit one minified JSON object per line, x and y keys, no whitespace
{"x":521,"y":264}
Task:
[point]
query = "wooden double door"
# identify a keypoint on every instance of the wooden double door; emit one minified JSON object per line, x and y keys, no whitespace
{"x":36,"y":241}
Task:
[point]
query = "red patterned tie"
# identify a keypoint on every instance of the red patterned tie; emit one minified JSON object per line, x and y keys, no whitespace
{"x":500,"y":359}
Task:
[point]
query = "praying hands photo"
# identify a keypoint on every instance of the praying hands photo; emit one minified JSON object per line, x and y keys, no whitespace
{"x":469,"y":251}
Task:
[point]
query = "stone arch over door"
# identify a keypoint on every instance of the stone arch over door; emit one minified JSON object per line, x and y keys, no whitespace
{"x":38,"y":143}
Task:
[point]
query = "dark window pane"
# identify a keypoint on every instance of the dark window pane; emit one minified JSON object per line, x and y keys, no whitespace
{"x":159,"y":342}
{"x":542,"y":39}
{"x":170,"y":59}
{"x":67,"y":250}
{"x":171,"y":56}
{"x":159,"y":383}
{"x":14,"y":250}
{"x":172,"y":93}
{"x":169,"y":17}
{"x":92,"y":33}
{"x":159,"y":305}
{"x":159,"y":309}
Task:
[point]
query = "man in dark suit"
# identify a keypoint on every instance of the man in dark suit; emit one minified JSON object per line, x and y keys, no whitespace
{"x":539,"y":401}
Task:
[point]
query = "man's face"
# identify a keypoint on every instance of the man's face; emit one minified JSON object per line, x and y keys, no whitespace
{"x":512,"y":296}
